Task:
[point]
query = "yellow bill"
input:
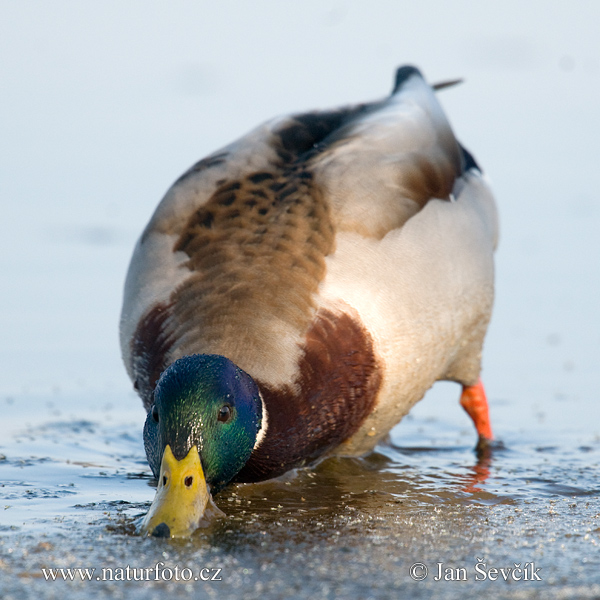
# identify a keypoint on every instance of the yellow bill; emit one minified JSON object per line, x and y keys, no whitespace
{"x":181,"y":497}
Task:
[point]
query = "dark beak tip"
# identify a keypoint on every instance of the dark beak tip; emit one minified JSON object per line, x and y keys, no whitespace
{"x":161,"y":531}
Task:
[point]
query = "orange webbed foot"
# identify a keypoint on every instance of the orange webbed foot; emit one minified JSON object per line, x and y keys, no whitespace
{"x":474,"y":401}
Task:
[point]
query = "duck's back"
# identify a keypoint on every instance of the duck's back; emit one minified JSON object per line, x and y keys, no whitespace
{"x":341,"y":258}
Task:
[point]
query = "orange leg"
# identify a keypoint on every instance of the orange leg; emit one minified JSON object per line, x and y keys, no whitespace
{"x":474,"y":401}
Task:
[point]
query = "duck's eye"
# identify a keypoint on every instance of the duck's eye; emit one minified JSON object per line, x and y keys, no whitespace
{"x":155,"y":413}
{"x":224,"y":413}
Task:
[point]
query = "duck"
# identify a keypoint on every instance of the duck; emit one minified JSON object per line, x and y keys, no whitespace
{"x":298,"y":291}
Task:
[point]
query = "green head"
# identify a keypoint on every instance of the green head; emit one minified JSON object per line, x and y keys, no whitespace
{"x":204,"y":401}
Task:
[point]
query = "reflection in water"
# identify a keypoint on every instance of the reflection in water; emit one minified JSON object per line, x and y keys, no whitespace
{"x":480,"y":473}
{"x":359,"y":496}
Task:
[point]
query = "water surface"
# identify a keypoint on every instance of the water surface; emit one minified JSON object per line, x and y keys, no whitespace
{"x":75,"y":481}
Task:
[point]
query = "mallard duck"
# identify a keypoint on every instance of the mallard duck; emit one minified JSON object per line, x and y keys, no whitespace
{"x":298,"y":291}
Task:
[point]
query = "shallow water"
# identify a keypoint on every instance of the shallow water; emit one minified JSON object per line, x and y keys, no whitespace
{"x":103,"y":106}
{"x":75,"y":481}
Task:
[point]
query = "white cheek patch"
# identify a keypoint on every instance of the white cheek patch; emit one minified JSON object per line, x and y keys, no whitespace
{"x":264,"y":425}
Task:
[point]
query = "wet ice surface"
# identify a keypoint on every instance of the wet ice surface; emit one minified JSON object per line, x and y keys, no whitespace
{"x":103,"y":106}
{"x":74,"y":483}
